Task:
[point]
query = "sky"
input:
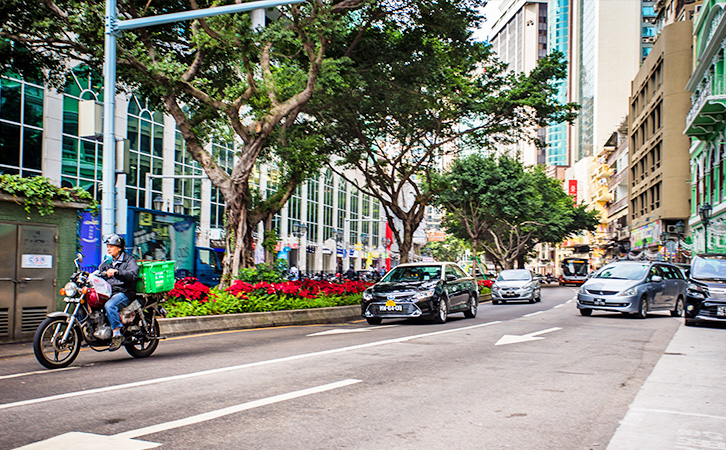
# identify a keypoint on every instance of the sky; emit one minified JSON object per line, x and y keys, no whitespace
{"x":490,"y":12}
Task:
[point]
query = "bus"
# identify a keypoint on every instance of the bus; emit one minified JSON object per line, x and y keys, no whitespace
{"x":574,"y":271}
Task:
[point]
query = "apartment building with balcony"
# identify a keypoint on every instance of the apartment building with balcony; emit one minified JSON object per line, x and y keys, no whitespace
{"x":618,"y":235}
{"x":658,"y":151}
{"x":705,"y":125}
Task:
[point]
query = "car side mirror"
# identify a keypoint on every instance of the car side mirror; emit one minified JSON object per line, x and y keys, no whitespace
{"x":656,"y":279}
{"x":451,"y":278}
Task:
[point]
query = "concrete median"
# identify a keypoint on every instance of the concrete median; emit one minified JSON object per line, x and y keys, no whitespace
{"x":202,"y":324}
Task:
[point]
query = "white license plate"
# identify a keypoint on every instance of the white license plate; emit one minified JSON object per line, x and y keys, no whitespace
{"x":721,"y":311}
{"x":391,"y":308}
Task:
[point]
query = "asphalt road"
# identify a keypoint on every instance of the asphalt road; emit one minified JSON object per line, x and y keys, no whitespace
{"x":518,"y":376}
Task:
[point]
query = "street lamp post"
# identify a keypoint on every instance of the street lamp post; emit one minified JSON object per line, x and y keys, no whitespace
{"x":299,"y":230}
{"x":113,"y":26}
{"x":679,"y":228}
{"x":705,"y":213}
{"x":664,"y":240}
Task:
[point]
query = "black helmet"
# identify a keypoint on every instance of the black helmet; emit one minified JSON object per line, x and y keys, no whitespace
{"x":115,"y":239}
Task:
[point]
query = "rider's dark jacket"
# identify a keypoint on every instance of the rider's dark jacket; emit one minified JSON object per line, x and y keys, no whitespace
{"x":125,"y":280}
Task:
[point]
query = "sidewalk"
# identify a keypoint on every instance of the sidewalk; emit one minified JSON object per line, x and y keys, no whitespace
{"x":682,"y":404}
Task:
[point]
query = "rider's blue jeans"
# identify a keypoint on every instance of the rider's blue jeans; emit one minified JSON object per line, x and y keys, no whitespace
{"x":117,"y":301}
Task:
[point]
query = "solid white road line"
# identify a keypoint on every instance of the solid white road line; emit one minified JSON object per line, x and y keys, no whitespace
{"x":239,"y":367}
{"x":233,"y":409}
{"x":37,"y":372}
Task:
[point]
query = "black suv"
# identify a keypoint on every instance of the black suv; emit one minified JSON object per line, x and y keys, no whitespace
{"x":706,"y":295}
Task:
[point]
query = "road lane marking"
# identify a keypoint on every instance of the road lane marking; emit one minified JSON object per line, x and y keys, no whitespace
{"x":234,"y":409}
{"x":533,"y":314}
{"x":679,"y":413}
{"x":559,"y":306}
{"x":126,"y":441}
{"x":238,"y":367}
{"x":515,"y":339}
{"x":348,"y":330}
{"x":15,"y":375}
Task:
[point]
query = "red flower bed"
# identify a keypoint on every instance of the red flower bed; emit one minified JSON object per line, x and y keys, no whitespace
{"x":190,"y":288}
{"x":485,"y":283}
{"x":299,"y":288}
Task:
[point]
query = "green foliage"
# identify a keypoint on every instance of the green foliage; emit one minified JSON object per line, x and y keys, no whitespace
{"x":222,"y":302}
{"x":39,"y":193}
{"x":505,"y":208}
{"x":451,"y":249}
{"x":262,"y":272}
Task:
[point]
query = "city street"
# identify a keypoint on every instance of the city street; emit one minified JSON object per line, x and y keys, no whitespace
{"x":519,"y":376}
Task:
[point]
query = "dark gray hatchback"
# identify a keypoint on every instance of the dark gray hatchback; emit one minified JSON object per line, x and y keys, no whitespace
{"x":634,"y":287}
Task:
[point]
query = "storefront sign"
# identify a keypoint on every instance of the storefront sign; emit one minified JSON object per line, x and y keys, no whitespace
{"x":646,"y":235}
{"x":572,"y":189}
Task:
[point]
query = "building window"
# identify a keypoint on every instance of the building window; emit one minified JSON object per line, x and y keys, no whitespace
{"x":313,"y":202}
{"x":145,"y":133}
{"x":21,"y":127}
{"x":328,"y":193}
{"x":188,"y":191}
{"x":82,"y":157}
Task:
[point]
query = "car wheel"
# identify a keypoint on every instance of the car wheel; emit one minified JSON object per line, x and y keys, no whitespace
{"x":533,"y":299}
{"x":643,"y":310}
{"x":678,"y":309}
{"x":443,"y":312}
{"x":690,"y":323}
{"x":586,"y":312}
{"x":373,"y":320}
{"x":495,"y":302}
{"x":539,"y":296}
{"x":470,"y":312}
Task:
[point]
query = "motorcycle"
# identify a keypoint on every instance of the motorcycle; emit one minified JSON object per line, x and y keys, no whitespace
{"x":58,"y":339}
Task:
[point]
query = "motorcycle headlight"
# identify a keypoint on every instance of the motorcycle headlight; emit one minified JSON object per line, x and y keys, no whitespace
{"x":367,"y":295}
{"x":629,"y":292}
{"x":71,"y":289}
{"x":424,"y":294}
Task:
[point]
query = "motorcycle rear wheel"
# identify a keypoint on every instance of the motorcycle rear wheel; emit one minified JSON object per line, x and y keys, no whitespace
{"x":47,"y":347}
{"x":146,"y":348}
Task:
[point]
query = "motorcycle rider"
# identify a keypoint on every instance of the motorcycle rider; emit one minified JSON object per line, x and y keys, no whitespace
{"x":121,"y":272}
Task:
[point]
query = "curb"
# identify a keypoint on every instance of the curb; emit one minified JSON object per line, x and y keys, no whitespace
{"x":203,"y":324}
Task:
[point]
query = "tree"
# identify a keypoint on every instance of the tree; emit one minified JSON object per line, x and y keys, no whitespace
{"x":414,"y":95}
{"x":506,"y":209}
{"x":451,"y":249}
{"x":209,"y":74}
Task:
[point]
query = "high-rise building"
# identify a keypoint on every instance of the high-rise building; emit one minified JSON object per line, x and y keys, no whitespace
{"x":519,"y":37}
{"x":659,"y":151}
{"x":558,"y":39}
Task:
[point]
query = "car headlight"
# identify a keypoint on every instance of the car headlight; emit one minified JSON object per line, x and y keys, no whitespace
{"x":527,"y":289}
{"x":628,"y":292}
{"x":70,"y":289}
{"x":582,"y":290}
{"x":495,"y":288}
{"x":425,"y":294}
{"x":367,"y":295}
{"x":696,"y":290}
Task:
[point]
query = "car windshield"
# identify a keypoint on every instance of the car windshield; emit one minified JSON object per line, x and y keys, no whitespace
{"x":623,"y":271}
{"x":514,"y":275}
{"x":574,"y":267}
{"x":413,"y":274}
{"x":709,"y":268}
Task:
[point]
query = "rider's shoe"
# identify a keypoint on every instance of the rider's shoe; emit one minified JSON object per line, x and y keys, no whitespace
{"x":116,"y":342}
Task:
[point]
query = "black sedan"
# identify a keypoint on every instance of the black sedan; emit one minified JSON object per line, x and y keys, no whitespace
{"x":706,"y":295}
{"x":429,"y":290}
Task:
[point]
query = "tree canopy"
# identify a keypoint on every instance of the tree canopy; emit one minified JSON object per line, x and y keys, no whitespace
{"x":418,"y":95}
{"x":505,"y":209}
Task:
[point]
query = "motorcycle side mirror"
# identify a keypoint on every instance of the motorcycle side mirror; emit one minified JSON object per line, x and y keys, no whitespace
{"x":78,"y":261}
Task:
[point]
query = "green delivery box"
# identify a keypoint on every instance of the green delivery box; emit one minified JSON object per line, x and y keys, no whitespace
{"x":155,"y":276}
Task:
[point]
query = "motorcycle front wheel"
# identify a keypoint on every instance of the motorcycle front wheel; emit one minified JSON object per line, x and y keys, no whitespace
{"x":146,"y":348}
{"x":47,"y":346}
